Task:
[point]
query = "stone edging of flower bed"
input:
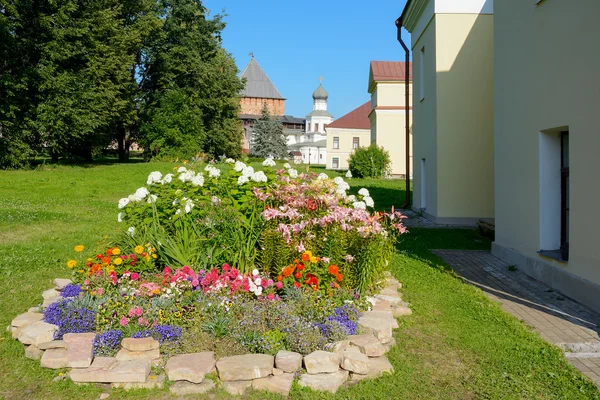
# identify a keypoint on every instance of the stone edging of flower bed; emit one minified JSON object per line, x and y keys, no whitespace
{"x":349,"y":361}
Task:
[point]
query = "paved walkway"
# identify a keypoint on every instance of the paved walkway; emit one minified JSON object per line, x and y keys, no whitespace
{"x":557,"y":318}
{"x":414,"y":220}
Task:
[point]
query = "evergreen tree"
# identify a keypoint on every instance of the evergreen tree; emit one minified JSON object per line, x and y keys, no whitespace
{"x":190,"y":87}
{"x":268,"y":138}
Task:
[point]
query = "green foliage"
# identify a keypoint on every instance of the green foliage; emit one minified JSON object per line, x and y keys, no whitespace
{"x":268,"y":139}
{"x":274,"y":254}
{"x":370,"y":162}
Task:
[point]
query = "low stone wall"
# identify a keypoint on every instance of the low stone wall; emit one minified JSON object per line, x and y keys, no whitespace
{"x":349,"y":361}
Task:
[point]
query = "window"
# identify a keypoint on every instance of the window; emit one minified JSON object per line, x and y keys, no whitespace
{"x":564,"y":195}
{"x":422,"y":73}
{"x":355,"y":143}
{"x":336,"y":142}
{"x":335,"y":163}
{"x":320,"y":156}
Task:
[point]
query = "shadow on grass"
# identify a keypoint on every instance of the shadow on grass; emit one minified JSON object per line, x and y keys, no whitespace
{"x":43,"y":163}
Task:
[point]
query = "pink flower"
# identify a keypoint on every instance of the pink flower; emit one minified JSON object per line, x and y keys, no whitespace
{"x":271,"y":296}
{"x":100,"y":291}
{"x":349,"y":258}
{"x":123,"y":321}
{"x":279,"y":285}
{"x":195,"y":282}
{"x":135,"y":276}
{"x":263,"y":282}
{"x":142,"y":321}
{"x":167,"y":271}
{"x":270,"y":282}
{"x":136,"y":312}
{"x":226,"y":267}
{"x":86,"y":282}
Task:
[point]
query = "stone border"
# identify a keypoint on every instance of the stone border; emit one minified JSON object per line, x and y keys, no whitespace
{"x":350,"y":361}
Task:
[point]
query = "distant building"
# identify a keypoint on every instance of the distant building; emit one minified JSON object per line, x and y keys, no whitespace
{"x":388,"y":111}
{"x":346,"y":134}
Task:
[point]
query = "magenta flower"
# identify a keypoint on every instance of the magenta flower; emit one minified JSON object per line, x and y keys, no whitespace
{"x":124,"y":321}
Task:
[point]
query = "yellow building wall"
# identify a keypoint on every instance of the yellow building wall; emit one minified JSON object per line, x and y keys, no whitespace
{"x":346,"y":137}
{"x":425,"y":122}
{"x":390,"y":94}
{"x":547,"y":78}
{"x":464,"y":85}
{"x":388,"y":129}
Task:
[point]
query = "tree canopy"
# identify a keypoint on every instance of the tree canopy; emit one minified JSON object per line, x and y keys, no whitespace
{"x":79,"y":75}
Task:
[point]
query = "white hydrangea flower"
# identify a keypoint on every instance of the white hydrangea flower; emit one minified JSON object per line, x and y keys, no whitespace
{"x":269,"y":162}
{"x":181,"y":170}
{"x":123,"y":202}
{"x":248,"y":171}
{"x":230,"y":161}
{"x":198,"y":180}
{"x":167,"y":179}
{"x":259,"y":177}
{"x":120,"y":217}
{"x":242,"y":180}
{"x":363,"y":192}
{"x":348,"y":174}
{"x":293,"y":173}
{"x":189,"y":204}
{"x":131,"y":231}
{"x":141,"y":194}
{"x":341,"y":192}
{"x":359,"y":205}
{"x":338,"y":180}
{"x":239,"y":166}
{"x":351,"y":198}
{"x":152,"y":198}
{"x":322,"y":176}
{"x":369,"y":201}
{"x":187,"y":176}
{"x":214,"y":173}
{"x":287,"y":166}
{"x":154,"y":177}
{"x":255,"y":272}
{"x":178,"y":211}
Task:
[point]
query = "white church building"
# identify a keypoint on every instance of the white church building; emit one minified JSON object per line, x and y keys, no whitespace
{"x":311,"y":145}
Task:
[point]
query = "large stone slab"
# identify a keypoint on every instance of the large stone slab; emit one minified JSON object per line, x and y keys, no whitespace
{"x":54,"y":344}
{"x":382,"y":314}
{"x":391,"y":299}
{"x":37,"y":333}
{"x":368,"y":344}
{"x":59,"y":283}
{"x":288,"y":361}
{"x":183,"y":388}
{"x":140,"y":344}
{"x":354,"y":361}
{"x":327,"y":382}
{"x":237,"y":388}
{"x":54,"y":358}
{"x":28,"y":318}
{"x":319,"y":362}
{"x":33,"y":352}
{"x":50,"y":293}
{"x":378,"y":366}
{"x":80,"y":349}
{"x":281,"y":384}
{"x":126,"y":355}
{"x":245,"y":367}
{"x":118,"y":371}
{"x":380,"y":327}
{"x":401,"y":311}
{"x":190,"y":367}
{"x":153,"y":382}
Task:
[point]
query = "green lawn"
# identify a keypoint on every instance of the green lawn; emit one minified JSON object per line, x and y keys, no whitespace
{"x":457,"y":345}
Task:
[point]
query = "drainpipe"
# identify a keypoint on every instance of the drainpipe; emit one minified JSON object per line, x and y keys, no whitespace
{"x":407,"y":103}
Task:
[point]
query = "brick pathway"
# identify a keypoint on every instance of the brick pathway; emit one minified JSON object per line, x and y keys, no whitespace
{"x":557,"y":318}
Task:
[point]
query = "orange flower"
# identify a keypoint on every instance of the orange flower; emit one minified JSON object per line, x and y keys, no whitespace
{"x":306,"y":256}
{"x":109,"y":252}
{"x":333,"y":269}
{"x":339,"y":277}
{"x":96,"y":268}
{"x":106,"y":260}
{"x":296,"y":261}
{"x":288,"y":271}
{"x":279,"y":278}
{"x":336,"y":285}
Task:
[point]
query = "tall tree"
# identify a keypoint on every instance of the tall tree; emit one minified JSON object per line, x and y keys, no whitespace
{"x":190,"y":87}
{"x":268,"y":138}
{"x":84,"y":72}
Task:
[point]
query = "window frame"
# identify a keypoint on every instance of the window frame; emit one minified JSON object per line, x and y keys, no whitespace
{"x":336,"y":142}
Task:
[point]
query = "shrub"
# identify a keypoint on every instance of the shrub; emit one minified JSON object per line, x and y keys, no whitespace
{"x":370,"y":162}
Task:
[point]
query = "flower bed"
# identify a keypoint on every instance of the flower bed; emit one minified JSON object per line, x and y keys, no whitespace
{"x":227,"y":260}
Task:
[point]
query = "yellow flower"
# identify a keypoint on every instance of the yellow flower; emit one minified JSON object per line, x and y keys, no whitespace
{"x":154,"y":256}
{"x":79,"y":248}
{"x":139,"y":249}
{"x":118,"y":261}
{"x":80,"y":271}
{"x":110,"y":268}
{"x":147,"y":258}
{"x":314,"y":259}
{"x":116,"y":251}
{"x":71,"y":263}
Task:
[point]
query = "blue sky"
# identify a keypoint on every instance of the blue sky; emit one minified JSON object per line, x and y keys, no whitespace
{"x":296,"y":41}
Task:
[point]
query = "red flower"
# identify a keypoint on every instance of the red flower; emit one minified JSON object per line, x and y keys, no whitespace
{"x":106,"y":260}
{"x":109,"y":252}
{"x":99,"y":256}
{"x":167,"y":271}
{"x":312,"y":205}
{"x":300,"y":267}
{"x":297,"y":285}
{"x":298,"y":275}
{"x":311,"y":280}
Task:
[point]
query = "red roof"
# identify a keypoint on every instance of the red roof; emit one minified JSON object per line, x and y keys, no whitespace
{"x":355,"y":119}
{"x":389,"y":70}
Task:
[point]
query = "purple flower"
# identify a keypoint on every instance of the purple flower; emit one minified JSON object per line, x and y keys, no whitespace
{"x":69,"y":318}
{"x":107,"y":343}
{"x":70,"y":290}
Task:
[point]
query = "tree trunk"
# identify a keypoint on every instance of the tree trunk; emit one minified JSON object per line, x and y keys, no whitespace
{"x":121,"y":143}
